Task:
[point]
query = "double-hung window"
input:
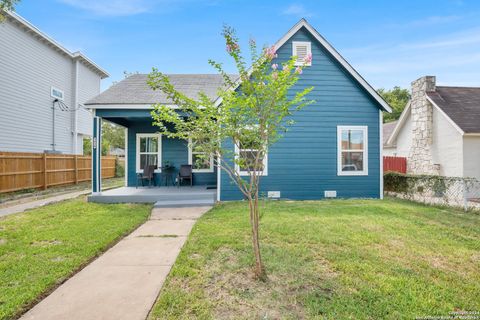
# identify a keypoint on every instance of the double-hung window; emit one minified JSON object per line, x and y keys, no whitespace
{"x":352,"y":150}
{"x":199,"y":159}
{"x":149,"y":151}
{"x":246,"y":153}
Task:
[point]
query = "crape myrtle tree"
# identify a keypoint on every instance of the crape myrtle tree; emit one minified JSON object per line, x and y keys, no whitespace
{"x":7,"y":5}
{"x":251,"y":114}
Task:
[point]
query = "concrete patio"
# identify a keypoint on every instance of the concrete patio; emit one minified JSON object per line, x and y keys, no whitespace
{"x":184,"y":196}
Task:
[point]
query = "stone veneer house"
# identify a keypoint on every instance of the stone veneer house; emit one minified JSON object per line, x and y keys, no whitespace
{"x":439,"y":130}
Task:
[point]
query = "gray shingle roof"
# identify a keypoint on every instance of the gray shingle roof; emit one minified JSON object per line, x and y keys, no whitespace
{"x":388,"y":129}
{"x":135,"y":90}
{"x":461,"y":104}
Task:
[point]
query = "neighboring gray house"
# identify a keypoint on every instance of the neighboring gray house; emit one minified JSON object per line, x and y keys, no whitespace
{"x":439,"y":131}
{"x":36,"y":70}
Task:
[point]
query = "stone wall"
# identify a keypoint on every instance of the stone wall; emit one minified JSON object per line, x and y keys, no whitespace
{"x":420,"y":156}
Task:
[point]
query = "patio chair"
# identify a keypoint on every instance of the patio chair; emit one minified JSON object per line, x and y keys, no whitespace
{"x":185,"y":173}
{"x":147,"y":174}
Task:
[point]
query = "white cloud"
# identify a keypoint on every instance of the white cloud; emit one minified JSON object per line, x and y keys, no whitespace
{"x":297,"y":10}
{"x":111,"y":7}
{"x":454,"y":58}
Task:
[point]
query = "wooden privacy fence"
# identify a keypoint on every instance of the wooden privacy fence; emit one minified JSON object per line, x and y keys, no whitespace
{"x":19,"y":171}
{"x":395,"y":164}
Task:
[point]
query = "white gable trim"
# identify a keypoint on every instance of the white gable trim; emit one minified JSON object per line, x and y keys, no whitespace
{"x":333,"y":52}
{"x":337,"y":56}
{"x":76,"y":55}
{"x":446,"y":116}
{"x":400,"y":123}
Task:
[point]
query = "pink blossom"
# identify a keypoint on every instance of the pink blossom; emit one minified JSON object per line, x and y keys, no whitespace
{"x":298,"y":70}
{"x":231,"y":47}
{"x":271,"y":53}
{"x":286,"y":69}
{"x":308,"y":59}
{"x":275,"y":75}
{"x":274,"y":66}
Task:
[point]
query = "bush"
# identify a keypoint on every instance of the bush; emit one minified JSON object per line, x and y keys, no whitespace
{"x":119,"y":168}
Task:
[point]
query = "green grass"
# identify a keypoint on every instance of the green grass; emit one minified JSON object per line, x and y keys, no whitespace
{"x":341,"y":259}
{"x":41,"y":248}
{"x":26,"y":194}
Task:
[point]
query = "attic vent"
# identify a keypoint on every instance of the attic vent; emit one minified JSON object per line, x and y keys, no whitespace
{"x":301,"y":50}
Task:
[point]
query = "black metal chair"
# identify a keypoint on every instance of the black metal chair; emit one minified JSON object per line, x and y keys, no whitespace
{"x":147,"y":174}
{"x":185,"y":173}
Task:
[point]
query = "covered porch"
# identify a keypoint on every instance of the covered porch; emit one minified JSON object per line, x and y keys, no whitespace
{"x":162,"y":197}
{"x":145,"y":147}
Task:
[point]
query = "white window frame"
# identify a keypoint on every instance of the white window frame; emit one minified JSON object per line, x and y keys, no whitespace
{"x":52,"y":89}
{"x":246,"y":173}
{"x":190,"y":160}
{"x":159,"y":152}
{"x":364,"y":172}
{"x":294,"y":51}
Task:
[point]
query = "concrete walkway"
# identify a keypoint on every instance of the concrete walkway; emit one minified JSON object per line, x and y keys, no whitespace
{"x":40,"y":203}
{"x":125,"y":281}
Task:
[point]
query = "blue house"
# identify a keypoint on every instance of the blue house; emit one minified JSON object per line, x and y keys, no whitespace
{"x":334,"y":149}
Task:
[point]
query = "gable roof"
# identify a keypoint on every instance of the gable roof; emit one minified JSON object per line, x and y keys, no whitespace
{"x":193,"y":83}
{"x":363,"y":83}
{"x":388,"y":130}
{"x":134,"y":90}
{"x":54,"y":44}
{"x":460,"y":104}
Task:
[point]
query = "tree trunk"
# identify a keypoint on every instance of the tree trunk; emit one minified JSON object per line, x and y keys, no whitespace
{"x":254,"y":222}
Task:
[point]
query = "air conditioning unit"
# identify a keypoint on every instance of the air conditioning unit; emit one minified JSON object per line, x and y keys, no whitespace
{"x":330,"y":194}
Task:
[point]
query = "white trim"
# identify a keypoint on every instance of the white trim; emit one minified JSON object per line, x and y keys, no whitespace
{"x":75,"y":112}
{"x":190,"y":160}
{"x":400,"y":123}
{"x":381,"y":151}
{"x":446,"y":116}
{"x":333,"y":52}
{"x":99,"y":154}
{"x":245,"y":173}
{"x":219,"y":179}
{"x":308,"y":44}
{"x":337,"y":56}
{"x":159,"y":150}
{"x":126,"y":156}
{"x":76,"y":55}
{"x":52,"y":88}
{"x":364,"y":172}
{"x":141,"y":106}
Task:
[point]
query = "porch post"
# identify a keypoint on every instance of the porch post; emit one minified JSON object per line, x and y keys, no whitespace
{"x":97,"y":155}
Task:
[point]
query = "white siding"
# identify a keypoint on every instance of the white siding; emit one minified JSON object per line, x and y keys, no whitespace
{"x":471,"y":157}
{"x":29,"y":68}
{"x":403,"y":141}
{"x":447,"y":146}
{"x":88,"y":87}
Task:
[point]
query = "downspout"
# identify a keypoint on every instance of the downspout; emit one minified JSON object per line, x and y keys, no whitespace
{"x":53,"y":125}
{"x":75,"y":108}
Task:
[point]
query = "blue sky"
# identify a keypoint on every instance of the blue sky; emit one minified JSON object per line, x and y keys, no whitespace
{"x":389,"y":42}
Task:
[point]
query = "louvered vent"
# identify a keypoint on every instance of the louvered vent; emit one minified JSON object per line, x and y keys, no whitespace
{"x":301,"y":50}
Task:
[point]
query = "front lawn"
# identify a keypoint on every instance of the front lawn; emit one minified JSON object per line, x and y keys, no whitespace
{"x":41,"y":248}
{"x":341,"y":259}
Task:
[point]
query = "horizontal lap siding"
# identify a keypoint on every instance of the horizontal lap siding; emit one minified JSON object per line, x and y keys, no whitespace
{"x":173,"y":150}
{"x":303,"y":164}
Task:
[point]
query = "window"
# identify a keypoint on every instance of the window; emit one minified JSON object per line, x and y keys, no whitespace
{"x":301,"y":50}
{"x":149,"y":151}
{"x":247,"y":151}
{"x":56,"y":93}
{"x":352,"y":150}
{"x":198,"y":159}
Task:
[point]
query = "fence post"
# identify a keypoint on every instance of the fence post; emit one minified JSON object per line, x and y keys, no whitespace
{"x":45,"y":171}
{"x":76,"y":168}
